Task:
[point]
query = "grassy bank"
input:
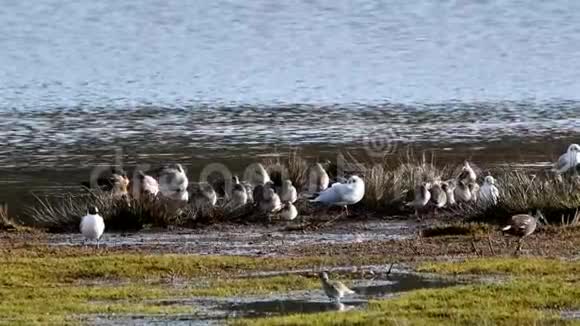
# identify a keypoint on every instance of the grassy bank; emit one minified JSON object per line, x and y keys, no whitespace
{"x":44,"y":285}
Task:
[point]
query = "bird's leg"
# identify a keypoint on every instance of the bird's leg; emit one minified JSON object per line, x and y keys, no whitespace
{"x":346,"y":209}
{"x":97,"y":243}
{"x":519,"y":247}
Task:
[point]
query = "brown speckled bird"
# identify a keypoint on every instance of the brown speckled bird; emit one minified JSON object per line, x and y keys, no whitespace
{"x":522,"y":225}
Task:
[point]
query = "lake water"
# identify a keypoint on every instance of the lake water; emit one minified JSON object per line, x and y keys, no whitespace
{"x":177,"y":80}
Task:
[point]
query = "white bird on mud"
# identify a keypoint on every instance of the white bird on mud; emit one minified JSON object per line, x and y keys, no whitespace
{"x":92,"y":225}
{"x":488,"y":193}
{"x":173,"y":183}
{"x":467,"y":174}
{"x":147,"y":185}
{"x":462,"y":192}
{"x":318,"y":179}
{"x":288,"y":211}
{"x":343,"y":194}
{"x":569,"y":160}
{"x":334,"y":290}
{"x":422,"y":197}
{"x":288,"y":193}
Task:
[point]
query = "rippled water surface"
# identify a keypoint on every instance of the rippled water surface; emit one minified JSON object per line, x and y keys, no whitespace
{"x":206,"y":80}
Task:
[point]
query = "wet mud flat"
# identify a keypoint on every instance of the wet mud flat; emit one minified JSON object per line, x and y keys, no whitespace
{"x":232,"y":239}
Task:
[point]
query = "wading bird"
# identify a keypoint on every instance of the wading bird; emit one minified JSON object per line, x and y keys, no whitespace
{"x":334,"y":290}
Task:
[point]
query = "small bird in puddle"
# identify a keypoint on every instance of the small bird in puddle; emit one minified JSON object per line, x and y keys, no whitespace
{"x":335,"y":290}
{"x":522,"y":225}
{"x":92,"y":225}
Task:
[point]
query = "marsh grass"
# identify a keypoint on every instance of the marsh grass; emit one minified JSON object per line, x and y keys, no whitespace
{"x":6,"y":223}
{"x":390,"y":184}
{"x":63,"y":214}
{"x":557,"y":198}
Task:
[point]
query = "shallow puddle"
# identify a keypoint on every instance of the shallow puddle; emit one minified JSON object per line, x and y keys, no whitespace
{"x":217,"y":310}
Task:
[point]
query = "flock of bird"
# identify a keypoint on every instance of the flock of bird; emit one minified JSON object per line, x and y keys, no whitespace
{"x":258,"y":190}
{"x":464,"y":189}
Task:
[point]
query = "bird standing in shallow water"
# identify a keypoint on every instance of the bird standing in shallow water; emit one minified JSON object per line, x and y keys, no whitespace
{"x":92,"y":225}
{"x":522,"y":225}
{"x":488,"y":193}
{"x":334,"y":290}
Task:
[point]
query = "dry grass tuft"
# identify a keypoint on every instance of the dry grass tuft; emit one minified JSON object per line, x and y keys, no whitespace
{"x":63,"y":214}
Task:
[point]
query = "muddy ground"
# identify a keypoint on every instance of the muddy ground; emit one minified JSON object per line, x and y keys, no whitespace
{"x":402,"y":240}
